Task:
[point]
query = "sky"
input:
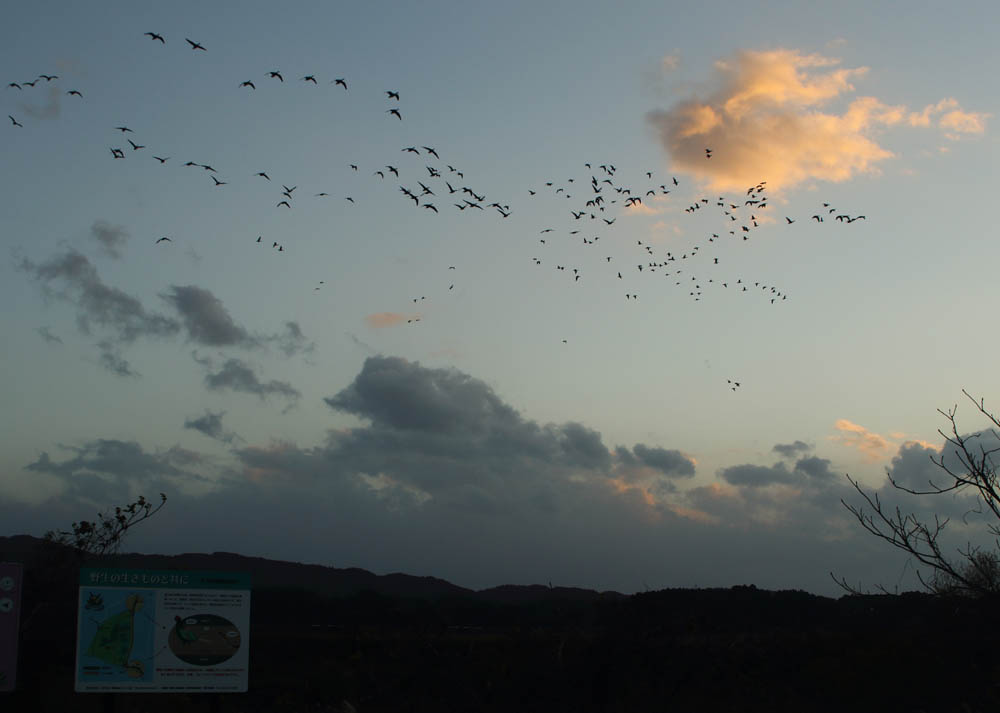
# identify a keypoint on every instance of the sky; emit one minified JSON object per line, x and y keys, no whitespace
{"x":461,"y":370}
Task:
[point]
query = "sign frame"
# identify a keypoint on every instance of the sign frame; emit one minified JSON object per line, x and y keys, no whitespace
{"x":11,"y":586}
{"x":162,"y":631}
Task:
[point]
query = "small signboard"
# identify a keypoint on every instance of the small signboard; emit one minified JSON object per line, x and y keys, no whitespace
{"x":163,"y":631}
{"x":11,"y":580}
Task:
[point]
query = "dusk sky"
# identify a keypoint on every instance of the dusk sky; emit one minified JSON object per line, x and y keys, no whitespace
{"x":473,"y":392}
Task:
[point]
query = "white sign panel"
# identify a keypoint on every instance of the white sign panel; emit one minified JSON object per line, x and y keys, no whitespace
{"x":163,"y":631}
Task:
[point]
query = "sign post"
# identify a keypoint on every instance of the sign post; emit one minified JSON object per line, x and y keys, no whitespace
{"x":163,"y":631}
{"x":11,"y":582}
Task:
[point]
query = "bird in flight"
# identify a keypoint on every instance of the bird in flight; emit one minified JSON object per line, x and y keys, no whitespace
{"x":248,"y":83}
{"x":123,"y":129}
{"x":393,"y":95}
{"x":262,"y":175}
{"x":218,"y":182}
{"x":432,"y":152}
{"x":162,"y":239}
{"x":13,"y":85}
{"x":74,"y":93}
{"x":162,"y":160}
{"x":135,"y":146}
{"x":14,"y":121}
{"x":309,"y":78}
{"x":195,"y":45}
{"x":276,"y":75}
{"x":48,"y":77}
{"x":395,"y":112}
{"x":341,"y":82}
{"x":283,"y":203}
{"x":153,"y":36}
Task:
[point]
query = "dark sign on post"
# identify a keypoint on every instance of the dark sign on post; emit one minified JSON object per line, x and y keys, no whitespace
{"x":10,"y":610}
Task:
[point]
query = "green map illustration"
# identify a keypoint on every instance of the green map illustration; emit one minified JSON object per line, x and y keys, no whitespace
{"x":122,"y":640}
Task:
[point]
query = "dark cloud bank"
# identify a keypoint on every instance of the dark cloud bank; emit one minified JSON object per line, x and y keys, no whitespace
{"x":119,"y":320}
{"x":444,"y":478}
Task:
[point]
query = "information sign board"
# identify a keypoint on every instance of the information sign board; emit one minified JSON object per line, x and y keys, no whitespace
{"x":163,"y":631}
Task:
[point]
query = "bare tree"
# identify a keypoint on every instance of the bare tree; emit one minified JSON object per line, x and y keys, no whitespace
{"x":971,"y":571}
{"x":105,"y":536}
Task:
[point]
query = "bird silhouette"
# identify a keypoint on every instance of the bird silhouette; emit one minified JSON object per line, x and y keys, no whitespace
{"x":14,"y":121}
{"x":395,"y":112}
{"x":162,"y":239}
{"x":135,"y":146}
{"x":248,"y":83}
{"x":341,"y":82}
{"x":195,"y":45}
{"x":162,"y":160}
{"x":309,"y":78}
{"x":393,"y":95}
{"x":262,"y":175}
{"x":153,"y":36}
{"x":74,"y":93}
{"x":276,"y":75}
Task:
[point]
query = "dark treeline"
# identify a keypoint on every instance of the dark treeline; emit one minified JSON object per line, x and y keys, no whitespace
{"x":542,"y":649}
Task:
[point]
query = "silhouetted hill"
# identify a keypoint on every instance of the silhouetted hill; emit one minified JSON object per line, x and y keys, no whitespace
{"x":317,"y":579}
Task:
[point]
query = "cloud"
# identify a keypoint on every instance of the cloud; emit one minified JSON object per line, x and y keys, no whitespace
{"x":766,"y":120}
{"x":49,"y":110}
{"x":952,"y":118}
{"x":206,"y":319}
{"x":98,"y":304}
{"x":208,"y":322}
{"x":384,"y":319}
{"x":444,"y":435}
{"x":790,"y":450}
{"x":444,"y":476}
{"x":805,"y":469}
{"x":668,"y":462}
{"x":106,"y":470}
{"x":671,"y":62}
{"x":111,"y":359}
{"x":871,"y":445}
{"x":293,"y":341}
{"x":48,"y":336}
{"x":237,"y":375}
{"x":211,"y":425}
{"x":111,"y":237}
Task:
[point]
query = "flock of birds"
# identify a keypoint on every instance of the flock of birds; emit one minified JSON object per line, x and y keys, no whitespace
{"x":598,"y":197}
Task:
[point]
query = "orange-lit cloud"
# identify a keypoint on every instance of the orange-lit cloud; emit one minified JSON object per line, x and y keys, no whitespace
{"x":871,"y":445}
{"x":951,"y":118}
{"x":385,"y":319}
{"x":766,"y":121}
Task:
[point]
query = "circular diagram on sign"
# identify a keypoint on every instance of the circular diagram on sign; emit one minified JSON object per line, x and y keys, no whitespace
{"x":203,"y":639}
